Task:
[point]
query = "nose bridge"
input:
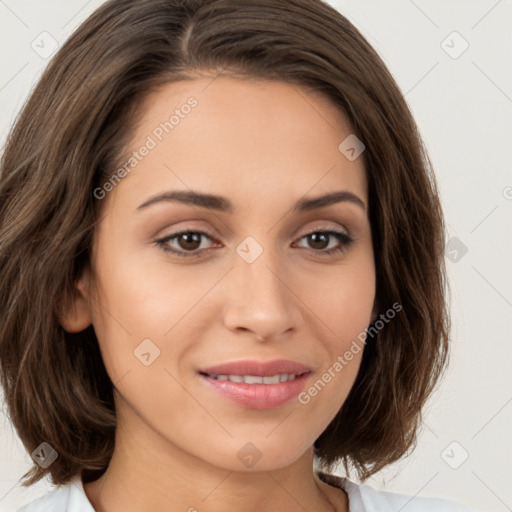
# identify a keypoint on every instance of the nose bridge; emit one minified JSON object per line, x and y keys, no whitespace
{"x":264,"y":304}
{"x":259,"y":268}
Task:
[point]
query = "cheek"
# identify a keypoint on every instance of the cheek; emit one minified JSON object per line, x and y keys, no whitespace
{"x":321,"y":400}
{"x":145,"y":297}
{"x":342,"y":299}
{"x":143,"y":311}
{"x":342,"y":308}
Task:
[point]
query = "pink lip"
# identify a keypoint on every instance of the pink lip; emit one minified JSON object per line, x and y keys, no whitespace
{"x":258,"y":396}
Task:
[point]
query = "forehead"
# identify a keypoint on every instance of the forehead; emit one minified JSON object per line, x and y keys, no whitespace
{"x":230,"y":135}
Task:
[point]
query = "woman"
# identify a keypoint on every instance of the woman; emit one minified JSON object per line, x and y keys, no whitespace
{"x":221,"y":264}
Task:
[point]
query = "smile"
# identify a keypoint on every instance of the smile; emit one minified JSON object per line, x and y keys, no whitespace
{"x":255,"y":379}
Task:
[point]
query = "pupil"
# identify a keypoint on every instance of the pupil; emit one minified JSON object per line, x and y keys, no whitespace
{"x":190,"y":238}
{"x":314,"y":239}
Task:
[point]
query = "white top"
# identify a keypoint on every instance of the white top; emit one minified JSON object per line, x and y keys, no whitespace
{"x":362,"y":498}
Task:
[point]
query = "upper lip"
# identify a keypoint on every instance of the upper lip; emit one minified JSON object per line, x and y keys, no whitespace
{"x":257,"y":368}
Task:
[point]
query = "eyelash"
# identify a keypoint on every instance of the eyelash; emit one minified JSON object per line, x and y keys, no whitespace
{"x":345,"y":239}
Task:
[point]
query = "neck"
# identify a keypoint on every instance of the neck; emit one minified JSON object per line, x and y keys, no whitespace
{"x":162,"y":477}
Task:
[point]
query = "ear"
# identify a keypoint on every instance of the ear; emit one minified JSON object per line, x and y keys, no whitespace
{"x":76,"y":314}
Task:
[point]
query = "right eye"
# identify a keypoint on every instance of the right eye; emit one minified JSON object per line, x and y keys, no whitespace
{"x":188,"y":241}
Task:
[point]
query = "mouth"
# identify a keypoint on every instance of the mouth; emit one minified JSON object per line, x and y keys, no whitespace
{"x":255,"y":379}
{"x":257,"y":384}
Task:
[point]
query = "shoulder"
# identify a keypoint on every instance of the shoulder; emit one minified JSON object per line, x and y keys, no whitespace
{"x":55,"y":500}
{"x":363,"y":498}
{"x":66,"y":498}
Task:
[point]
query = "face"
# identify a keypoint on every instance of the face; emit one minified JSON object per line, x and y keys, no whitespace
{"x":256,"y":276}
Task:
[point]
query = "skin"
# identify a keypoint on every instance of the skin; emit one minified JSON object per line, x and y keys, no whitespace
{"x":262,"y":145}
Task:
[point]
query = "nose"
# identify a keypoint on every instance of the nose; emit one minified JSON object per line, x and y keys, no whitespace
{"x":261,"y":300}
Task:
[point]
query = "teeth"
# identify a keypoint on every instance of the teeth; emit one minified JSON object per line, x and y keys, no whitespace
{"x":251,"y":379}
{"x":255,"y":379}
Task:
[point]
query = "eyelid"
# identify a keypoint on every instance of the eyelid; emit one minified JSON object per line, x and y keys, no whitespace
{"x":344,"y":237}
{"x":161,"y":241}
{"x":316,"y":229}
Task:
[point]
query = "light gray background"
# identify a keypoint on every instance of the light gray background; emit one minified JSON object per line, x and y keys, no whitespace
{"x":462,"y":104}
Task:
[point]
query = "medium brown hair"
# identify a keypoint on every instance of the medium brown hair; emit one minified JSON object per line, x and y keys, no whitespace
{"x":68,"y":140}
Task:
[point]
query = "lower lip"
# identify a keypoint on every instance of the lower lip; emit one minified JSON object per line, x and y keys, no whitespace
{"x":258,"y":396}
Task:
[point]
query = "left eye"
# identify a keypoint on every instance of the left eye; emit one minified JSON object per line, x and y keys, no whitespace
{"x":320,"y":237}
{"x":189,"y":242}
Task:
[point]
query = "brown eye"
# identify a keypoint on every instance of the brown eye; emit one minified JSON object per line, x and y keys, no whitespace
{"x":185,"y":243}
{"x":320,"y":240}
{"x":189,"y":241}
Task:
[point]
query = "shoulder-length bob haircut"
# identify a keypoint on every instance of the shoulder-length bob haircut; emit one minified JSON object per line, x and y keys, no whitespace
{"x":67,"y":141}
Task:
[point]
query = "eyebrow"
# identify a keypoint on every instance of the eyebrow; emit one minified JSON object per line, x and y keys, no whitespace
{"x":223,"y":204}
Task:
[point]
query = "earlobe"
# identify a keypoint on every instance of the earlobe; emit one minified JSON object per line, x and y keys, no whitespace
{"x":76,"y":315}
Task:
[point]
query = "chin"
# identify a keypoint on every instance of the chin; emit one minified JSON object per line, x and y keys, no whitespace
{"x":260,"y":454}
